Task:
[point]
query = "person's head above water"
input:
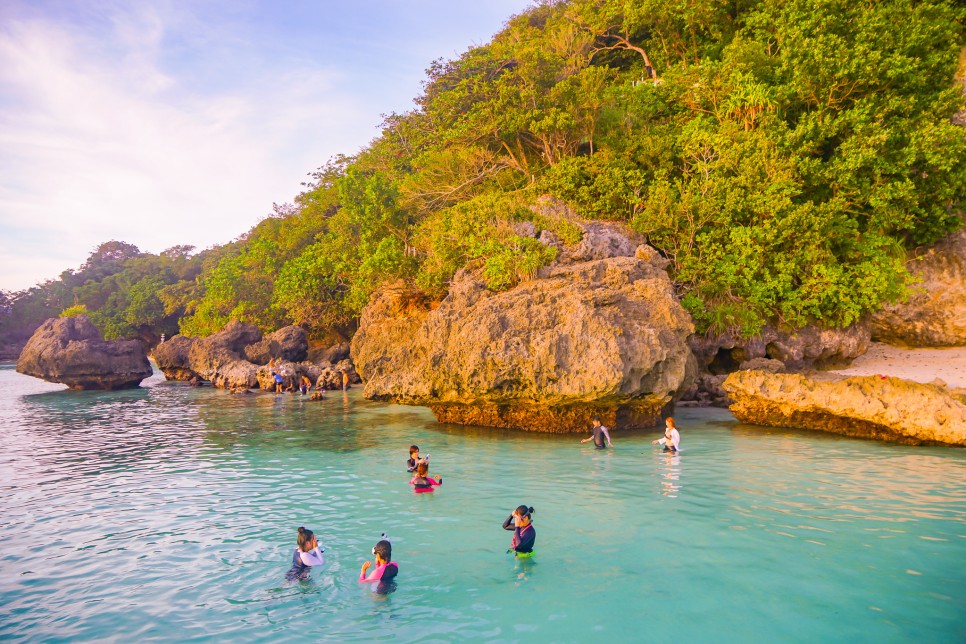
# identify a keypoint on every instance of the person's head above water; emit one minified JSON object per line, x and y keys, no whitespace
{"x":422,"y":469}
{"x":413,"y":449}
{"x":595,"y":420}
{"x":522,"y":515}
{"x":383,"y":551}
{"x":670,"y":423}
{"x":306,"y":539}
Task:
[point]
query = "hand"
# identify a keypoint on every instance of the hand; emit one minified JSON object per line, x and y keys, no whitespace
{"x":366,"y":567}
{"x":654,"y":442}
{"x":438,"y":478}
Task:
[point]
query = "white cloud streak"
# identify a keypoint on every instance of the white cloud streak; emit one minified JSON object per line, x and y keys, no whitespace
{"x":100,"y":142}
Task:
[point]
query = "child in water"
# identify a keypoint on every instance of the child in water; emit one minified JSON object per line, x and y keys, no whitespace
{"x":305,"y":385}
{"x":422,"y":482}
{"x":672,"y":439}
{"x":386,"y":570}
{"x":599,"y":434}
{"x":307,"y":554}
{"x":524,"y":534}
{"x":414,"y":459}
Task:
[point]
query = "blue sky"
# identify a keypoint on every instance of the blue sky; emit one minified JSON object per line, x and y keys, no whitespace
{"x":162,"y":123}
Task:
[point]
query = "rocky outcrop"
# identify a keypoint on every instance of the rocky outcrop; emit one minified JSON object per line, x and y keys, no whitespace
{"x":935,"y":314}
{"x":217,"y":358}
{"x":603,"y":337}
{"x":236,"y":358}
{"x":288,"y":343}
{"x":71,"y":351}
{"x":805,"y":348}
{"x":865,"y":406}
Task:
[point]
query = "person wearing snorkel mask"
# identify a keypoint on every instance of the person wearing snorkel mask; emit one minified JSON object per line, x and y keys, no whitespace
{"x":385,"y":570}
{"x":524,"y":534}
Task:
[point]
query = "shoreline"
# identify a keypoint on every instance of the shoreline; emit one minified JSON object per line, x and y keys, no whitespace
{"x":917,"y":365}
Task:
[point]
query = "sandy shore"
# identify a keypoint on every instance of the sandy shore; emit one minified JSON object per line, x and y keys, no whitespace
{"x":918,"y":365}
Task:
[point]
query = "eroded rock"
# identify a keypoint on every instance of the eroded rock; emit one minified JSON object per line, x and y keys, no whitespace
{"x":71,"y":351}
{"x":865,"y":406}
{"x":603,"y":337}
{"x":935,"y":314}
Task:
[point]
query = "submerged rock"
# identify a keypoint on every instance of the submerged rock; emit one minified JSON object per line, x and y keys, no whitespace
{"x":865,"y":406}
{"x":602,"y":337}
{"x":71,"y":351}
{"x":935,"y":314}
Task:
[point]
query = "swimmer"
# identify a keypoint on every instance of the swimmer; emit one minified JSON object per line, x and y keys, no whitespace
{"x":600,"y":433}
{"x":386,"y":570}
{"x":414,"y":459}
{"x":307,"y":554}
{"x":524,"y":534}
{"x":672,"y":439}
{"x":423,"y":483}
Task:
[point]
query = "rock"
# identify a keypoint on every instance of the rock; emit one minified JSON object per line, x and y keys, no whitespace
{"x":334,"y":354}
{"x":768,"y":365}
{"x":604,"y":337}
{"x":71,"y":351}
{"x":172,"y":359}
{"x":599,"y":241}
{"x":935,"y":314}
{"x":866,"y":406}
{"x":288,"y":343}
{"x":217,"y":358}
{"x":805,"y":348}
{"x":316,"y":395}
{"x":331,"y":377}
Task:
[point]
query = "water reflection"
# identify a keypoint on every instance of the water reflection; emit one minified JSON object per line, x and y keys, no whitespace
{"x":670,"y":470}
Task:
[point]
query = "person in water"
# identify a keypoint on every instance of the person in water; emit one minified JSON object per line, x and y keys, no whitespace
{"x":307,"y":554}
{"x":305,"y":385}
{"x":600,"y":433}
{"x":524,"y":534}
{"x":422,"y":482}
{"x":385,"y":570}
{"x":672,"y":439}
{"x":414,"y":459}
{"x":277,"y":377}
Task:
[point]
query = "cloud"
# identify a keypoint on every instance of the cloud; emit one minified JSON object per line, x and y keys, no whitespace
{"x":98,"y":141}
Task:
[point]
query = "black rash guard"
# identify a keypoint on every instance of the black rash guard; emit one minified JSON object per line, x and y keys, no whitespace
{"x":523,"y":538}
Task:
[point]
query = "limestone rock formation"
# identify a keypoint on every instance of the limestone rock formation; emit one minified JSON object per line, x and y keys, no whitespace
{"x":866,"y":406}
{"x":71,"y":351}
{"x":603,"y":337}
{"x":808,"y":347}
{"x":217,"y":358}
{"x":288,"y":343}
{"x":935,"y":314}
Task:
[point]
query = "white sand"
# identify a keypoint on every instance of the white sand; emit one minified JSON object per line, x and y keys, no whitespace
{"x":918,"y":365}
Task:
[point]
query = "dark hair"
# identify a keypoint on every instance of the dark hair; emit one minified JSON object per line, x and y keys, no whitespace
{"x":413,"y":448}
{"x":422,"y":469}
{"x":595,"y":419}
{"x":383,"y":549}
{"x":305,"y":536}
{"x":523,"y":511}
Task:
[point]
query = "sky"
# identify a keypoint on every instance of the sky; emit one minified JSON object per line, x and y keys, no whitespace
{"x":161,"y":123}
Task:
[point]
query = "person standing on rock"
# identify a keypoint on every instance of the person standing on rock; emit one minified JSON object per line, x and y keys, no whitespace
{"x":600,"y":433}
{"x":672,"y":439}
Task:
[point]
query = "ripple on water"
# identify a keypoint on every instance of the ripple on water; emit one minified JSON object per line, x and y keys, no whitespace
{"x":169,"y":513}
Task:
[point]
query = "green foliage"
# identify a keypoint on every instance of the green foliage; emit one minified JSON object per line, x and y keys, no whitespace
{"x":783,"y":155}
{"x":73,"y":311}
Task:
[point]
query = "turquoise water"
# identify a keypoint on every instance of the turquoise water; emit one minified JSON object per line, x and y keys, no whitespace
{"x":170,"y":512}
